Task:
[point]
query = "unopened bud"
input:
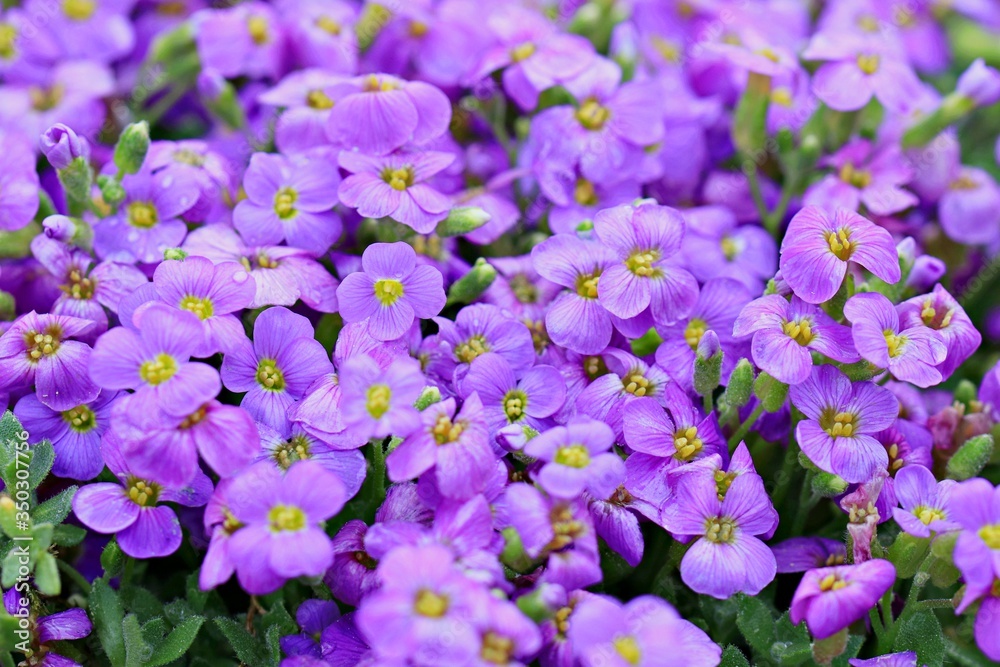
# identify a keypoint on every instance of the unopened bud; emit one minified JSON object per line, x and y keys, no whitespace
{"x":61,"y":145}
{"x":427,"y":398}
{"x":707,"y":364}
{"x":770,"y":392}
{"x":112,"y":191}
{"x":470,"y":287}
{"x":462,"y":220}
{"x":133,"y":144}
{"x":971,"y":457}
{"x":740,"y":385}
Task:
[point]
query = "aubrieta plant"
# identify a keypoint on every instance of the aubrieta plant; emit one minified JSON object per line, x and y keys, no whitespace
{"x":446,"y":333}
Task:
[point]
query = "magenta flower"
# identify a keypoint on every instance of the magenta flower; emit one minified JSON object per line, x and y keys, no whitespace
{"x":395,"y":186}
{"x":818,"y":247}
{"x":378,"y":402}
{"x":905,"y":659}
{"x":941,"y":312}
{"x":831,"y":598}
{"x":644,"y":238}
{"x":926,"y":503}
{"x":786,"y":333}
{"x":131,"y":510}
{"x":378,"y":113}
{"x":910,"y":354}
{"x":155,"y":360}
{"x":290,"y":199}
{"x":726,"y":557}
{"x":842,"y":419}
{"x":276,"y":369}
{"x":38,"y":350}
{"x":577,"y":458}
{"x":281,"y":519}
{"x":391,"y":290}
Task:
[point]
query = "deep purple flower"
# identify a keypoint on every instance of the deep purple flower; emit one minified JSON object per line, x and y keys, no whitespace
{"x":842,"y":418}
{"x":910,"y":354}
{"x":527,"y":397}
{"x":942,"y":312}
{"x":645,"y":631}
{"x":831,"y":598}
{"x":277,"y":367}
{"x":818,"y":246}
{"x":131,"y":510}
{"x":297,"y":444}
{"x":352,"y":575}
{"x":378,"y":402}
{"x":281,"y":535}
{"x":786,"y":333}
{"x":391,"y":290}
{"x":798,"y":554}
{"x":155,"y":360}
{"x":395,"y":186}
{"x":577,"y":458}
{"x":313,"y":617}
{"x":726,"y":556}
{"x":290,"y":199}
{"x":65,"y":625}
{"x":61,"y":145}
{"x":975,"y":506}
{"x":926,"y":503}
{"x":905,"y":659}
{"x":38,"y":350}
{"x":644,"y":238}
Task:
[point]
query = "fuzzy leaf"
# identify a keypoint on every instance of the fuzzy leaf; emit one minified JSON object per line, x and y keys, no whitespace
{"x":733,"y":657}
{"x":42,"y":457}
{"x":922,"y":633}
{"x":177,"y":642}
{"x":55,"y":509}
{"x":137,"y":649}
{"x":107,"y":613}
{"x":249,"y":649}
{"x":756,"y":623}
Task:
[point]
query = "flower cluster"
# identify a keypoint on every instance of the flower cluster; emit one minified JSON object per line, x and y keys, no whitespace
{"x":477,"y":332}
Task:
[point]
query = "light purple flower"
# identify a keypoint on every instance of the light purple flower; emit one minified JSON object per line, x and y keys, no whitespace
{"x":244,"y":40}
{"x":926,"y":503}
{"x":969,"y":210}
{"x":864,"y":174}
{"x":674,"y":436}
{"x":477,"y":330}
{"x":61,"y":626}
{"x":391,"y":291}
{"x":61,"y":145}
{"x":307,"y":97}
{"x":941,"y":312}
{"x":378,"y":402}
{"x":831,"y":598}
{"x":527,"y":397}
{"x":905,"y":659}
{"x":577,"y":458}
{"x":715,"y":246}
{"x":975,"y":506}
{"x":980,"y":84}
{"x":18,"y":183}
{"x":798,"y":554}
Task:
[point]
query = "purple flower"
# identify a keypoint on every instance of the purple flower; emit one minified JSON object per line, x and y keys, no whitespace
{"x":352,"y":575}
{"x":645,"y":631}
{"x":986,"y":618}
{"x":277,"y":368}
{"x":905,"y":659}
{"x":865,"y":175}
{"x":527,"y":397}
{"x":818,"y":247}
{"x":980,"y":84}
{"x":395,"y":186}
{"x":726,"y":557}
{"x":910,"y":354}
{"x":213,"y":292}
{"x":644,"y":238}
{"x":379,"y":113}
{"x":391,"y":291}
{"x":577,"y":458}
{"x":18,"y":183}
{"x":452,"y":442}
{"x":378,"y":402}
{"x":281,"y":514}
{"x":61,"y":145}
{"x":313,"y":617}
{"x":194,"y":159}
{"x":62,"y":626}
{"x":424,"y":609}
{"x":798,"y":554}
{"x":322,"y":35}
{"x":859,"y":68}
{"x":575,"y":319}
{"x":75,"y":433}
{"x":831,"y":598}
{"x":147,"y":222}
{"x":290,"y":199}
{"x":842,"y":418}
{"x":131,"y":509}
{"x":969,"y":210}
{"x":38,"y":350}
{"x":716,"y":247}
{"x":673,"y":437}
{"x":244,"y":40}
{"x":926,"y":503}
{"x":941,"y":312}
{"x":477,"y":330}
{"x":975,"y":506}
{"x":786,"y":333}
{"x":155,"y":360}
{"x":308,"y":97}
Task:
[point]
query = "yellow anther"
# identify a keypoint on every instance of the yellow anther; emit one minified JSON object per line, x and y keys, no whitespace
{"x":472,"y":348}
{"x":869,"y":63}
{"x":641,"y":263}
{"x":991,"y":535}
{"x":284,"y":202}
{"x":573,"y":456}
{"x":446,"y":431}
{"x":388,"y":291}
{"x":584,"y":192}
{"x":522,"y":52}
{"x":894,"y":342}
{"x":592,"y":115}
{"x":430,"y":604}
{"x":200,"y":306}
{"x":694,"y":331}
{"x":257,"y":27}
{"x":398,"y":179}
{"x":635,"y":383}
{"x":81,"y":418}
{"x":859,"y":178}
{"x":141,"y":214}
{"x":586,"y":284}
{"x":158,"y":370}
{"x":628,"y":648}
{"x":514,"y":404}
{"x":378,"y":397}
{"x":720,"y":530}
{"x":840,"y":243}
{"x":286,"y":518}
{"x":79,"y":10}
{"x":317,"y":99}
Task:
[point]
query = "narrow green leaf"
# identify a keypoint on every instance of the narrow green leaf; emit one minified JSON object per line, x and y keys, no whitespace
{"x":42,"y":457}
{"x":66,"y":535}
{"x":177,"y":642}
{"x":107,"y":614}
{"x":47,"y":575}
{"x":249,"y":649}
{"x":137,"y":650}
{"x":55,"y":509}
{"x":756,"y":623}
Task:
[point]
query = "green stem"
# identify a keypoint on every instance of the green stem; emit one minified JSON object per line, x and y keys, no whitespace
{"x":734,"y":439}
{"x":706,"y":403}
{"x":876,"y":623}
{"x":129,"y":567}
{"x":807,"y":500}
{"x":911,"y":606}
{"x":787,"y":466}
{"x":941,"y":603}
{"x":74,"y":576}
{"x":378,"y":463}
{"x":756,"y":193}
{"x":164,"y":104}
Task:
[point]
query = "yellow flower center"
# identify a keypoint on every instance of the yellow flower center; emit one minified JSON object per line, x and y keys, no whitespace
{"x":497,"y":649}
{"x":158,"y":370}
{"x":668,"y":50}
{"x":991,"y":535}
{"x":800,"y":331}
{"x":378,"y":396}
{"x":79,"y":10}
{"x":831,"y":582}
{"x":868,"y":63}
{"x":720,"y":530}
{"x":42,"y":343}
{"x":287,"y":453}
{"x":584,"y":192}
{"x":586,"y":284}
{"x":837,"y":424}
{"x":430,"y":604}
{"x":964,"y":182}
{"x":859,"y":178}
{"x":573,"y":456}
{"x":317,"y":99}
{"x":687,"y":443}
{"x":373,"y":84}
{"x":524,"y":290}
{"x":81,"y":419}
{"x":195,"y":418}
{"x":328,"y":25}
{"x":640,"y":262}
{"x":895,"y":463}
{"x":284,"y":202}
{"x":142,"y":215}
{"x":418,"y":29}
{"x":636,"y":383}
{"x":286,"y":518}
{"x":269,"y":376}
{"x":200,"y":306}
{"x":79,"y":286}
{"x":564,"y":528}
{"x":45,"y":99}
{"x":928,"y":514}
{"x":730,"y":249}
{"x":694,"y":331}
{"x":514,"y":403}
{"x":446,"y":431}
{"x":189,"y":157}
{"x":628,"y":648}
{"x":595,"y":367}
{"x":723,"y":480}
{"x":782,"y":95}
{"x":840,"y":243}
{"x":8,"y":35}
{"x":522,"y":52}
{"x":388,"y":291}
{"x":257,"y":27}
{"x":471,"y":349}
{"x":895,"y":342}
{"x":398,"y":179}
{"x":592,"y":115}
{"x":929,"y":315}
{"x":141,"y":492}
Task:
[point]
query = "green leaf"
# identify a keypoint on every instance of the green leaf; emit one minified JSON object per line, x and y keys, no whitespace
{"x":278,"y":616}
{"x":907,"y":553}
{"x":66,"y":535}
{"x":754,"y":620}
{"x":47,"y":575}
{"x":141,"y":602}
{"x":107,"y":613}
{"x":249,"y":649}
{"x":55,"y":509}
{"x":42,"y":457}
{"x":12,"y":434}
{"x":137,"y":650}
{"x":922,"y":633}
{"x":153,"y":630}
{"x":272,"y":640}
{"x":792,"y":645}
{"x":177,"y":642}
{"x":733,"y":657}
{"x":112,"y":559}
{"x":854,"y":644}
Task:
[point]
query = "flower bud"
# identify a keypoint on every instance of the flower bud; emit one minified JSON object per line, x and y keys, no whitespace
{"x":707,"y":364}
{"x":980,"y":83}
{"x":828,"y":485}
{"x":175,"y":253}
{"x":133,"y":144}
{"x":61,"y":145}
{"x":971,"y":457}
{"x":428,"y":397}
{"x":907,"y":553}
{"x":825,"y":650}
{"x":112,"y":559}
{"x":59,"y":228}
{"x":513,"y":555}
{"x":462,"y":220}
{"x":220,"y":98}
{"x":469,"y":287}
{"x":8,"y":307}
{"x":770,"y":391}
{"x":77,"y":178}
{"x":740,"y":384}
{"x":111,"y":190}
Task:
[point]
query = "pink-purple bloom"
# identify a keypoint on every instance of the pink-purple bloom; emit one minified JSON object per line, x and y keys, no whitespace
{"x":829,"y":599}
